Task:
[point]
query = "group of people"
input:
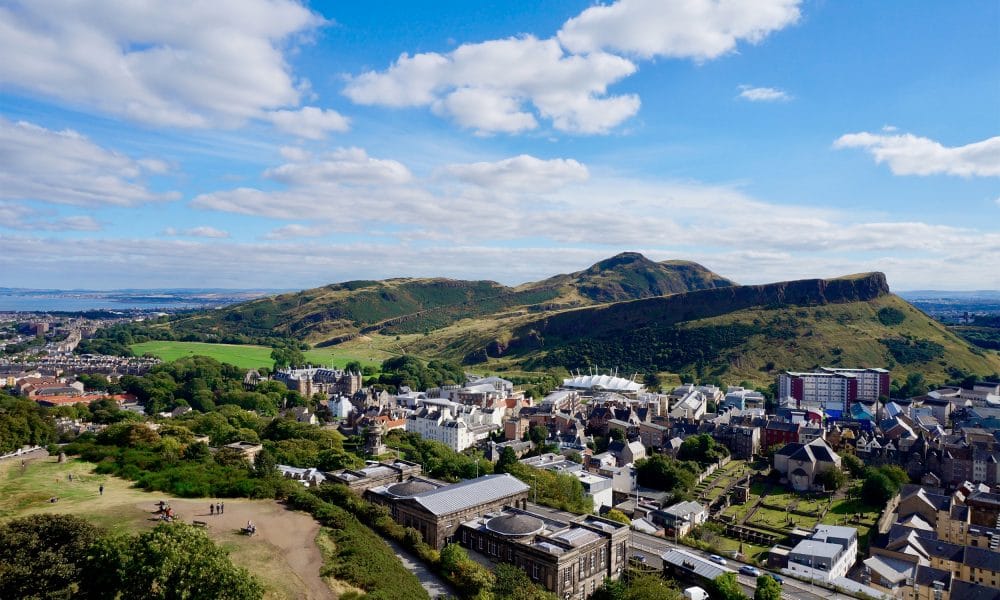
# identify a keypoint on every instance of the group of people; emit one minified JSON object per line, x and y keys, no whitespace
{"x":165,"y":512}
{"x":250,"y":528}
{"x":217,"y":509}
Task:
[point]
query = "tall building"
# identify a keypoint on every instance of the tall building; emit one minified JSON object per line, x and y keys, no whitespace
{"x":832,"y":389}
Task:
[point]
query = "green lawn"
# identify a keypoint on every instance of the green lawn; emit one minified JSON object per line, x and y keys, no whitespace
{"x":251,"y":357}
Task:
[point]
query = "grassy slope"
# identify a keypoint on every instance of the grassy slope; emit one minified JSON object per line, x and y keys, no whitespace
{"x":250,"y":357}
{"x":119,"y":510}
{"x":853,"y":328}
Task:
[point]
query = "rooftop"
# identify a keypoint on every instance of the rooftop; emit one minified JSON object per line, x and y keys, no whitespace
{"x":466,"y":494}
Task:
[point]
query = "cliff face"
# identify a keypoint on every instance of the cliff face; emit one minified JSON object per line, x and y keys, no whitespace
{"x":668,"y":310}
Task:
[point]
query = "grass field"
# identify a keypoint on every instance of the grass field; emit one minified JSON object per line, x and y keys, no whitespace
{"x":251,"y":357}
{"x":125,"y":509}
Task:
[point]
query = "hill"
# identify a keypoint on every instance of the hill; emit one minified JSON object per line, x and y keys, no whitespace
{"x":338,"y":312}
{"x":736,"y":333}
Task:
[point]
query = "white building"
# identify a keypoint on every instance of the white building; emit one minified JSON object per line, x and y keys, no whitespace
{"x":828,"y":554}
{"x":455,"y":425}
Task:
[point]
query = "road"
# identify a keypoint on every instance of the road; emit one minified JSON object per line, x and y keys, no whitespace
{"x":792,"y":589}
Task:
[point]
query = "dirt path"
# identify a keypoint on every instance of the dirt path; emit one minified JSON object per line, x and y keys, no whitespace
{"x":287,"y":537}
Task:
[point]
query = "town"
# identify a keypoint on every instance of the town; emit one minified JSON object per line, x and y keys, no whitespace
{"x":832,"y":488}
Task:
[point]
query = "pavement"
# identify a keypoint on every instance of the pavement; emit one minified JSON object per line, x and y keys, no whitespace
{"x":435,"y":586}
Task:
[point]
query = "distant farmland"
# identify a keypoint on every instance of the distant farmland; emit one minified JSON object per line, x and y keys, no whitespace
{"x":252,"y":357}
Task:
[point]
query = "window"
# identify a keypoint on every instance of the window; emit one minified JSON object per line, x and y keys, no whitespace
{"x":534,"y":571}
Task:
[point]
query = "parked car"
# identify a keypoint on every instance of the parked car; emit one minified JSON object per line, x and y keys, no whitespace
{"x":748,"y":570}
{"x":717,"y":559}
{"x":778,"y":578}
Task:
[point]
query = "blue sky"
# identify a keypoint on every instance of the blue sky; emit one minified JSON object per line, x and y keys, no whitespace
{"x":268,"y":143}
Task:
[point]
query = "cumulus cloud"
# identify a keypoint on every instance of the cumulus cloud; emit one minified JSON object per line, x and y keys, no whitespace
{"x":202,"y":231}
{"x":505,"y":86}
{"x":310,"y":122}
{"x":182,"y":63}
{"x":763,"y":94}
{"x":908,"y":154}
{"x":697,"y":29}
{"x":296,"y":231}
{"x":19,"y":216}
{"x":65,"y":167}
{"x":521,"y":173}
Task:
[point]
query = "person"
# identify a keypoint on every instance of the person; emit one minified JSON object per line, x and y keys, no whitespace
{"x":211,"y":509}
{"x":222,"y":507}
{"x":100,"y":489}
{"x":70,"y":476}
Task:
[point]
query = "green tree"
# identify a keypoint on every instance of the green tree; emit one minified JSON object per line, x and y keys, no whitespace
{"x":726,"y":587}
{"x":44,"y":556}
{"x":616,"y":515}
{"x":832,"y":479}
{"x":767,"y":589}
{"x":507,"y":458}
{"x":853,"y":465}
{"x":538,"y":434}
{"x":174,"y":561}
{"x":664,"y":473}
{"x":264,"y":465}
{"x":353,"y":366}
{"x":512,"y":583}
{"x":877,"y":489}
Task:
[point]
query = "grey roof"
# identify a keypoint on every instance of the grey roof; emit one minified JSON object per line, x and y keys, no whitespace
{"x":410,"y":488}
{"x":469,"y":493}
{"x":972,"y":591}
{"x":981,"y":558}
{"x":694,"y":564}
{"x":834,"y":531}
{"x":515,"y":524}
{"x":817,"y":549}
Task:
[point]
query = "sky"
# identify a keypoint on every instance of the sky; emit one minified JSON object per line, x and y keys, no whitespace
{"x":279,"y":144}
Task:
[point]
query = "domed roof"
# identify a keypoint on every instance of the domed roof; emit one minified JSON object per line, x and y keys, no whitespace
{"x":410,"y":488}
{"x":516,"y":524}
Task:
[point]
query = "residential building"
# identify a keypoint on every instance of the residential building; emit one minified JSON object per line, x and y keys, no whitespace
{"x":826,"y":555}
{"x":833,"y":390}
{"x":801,"y":463}
{"x":680,"y":519}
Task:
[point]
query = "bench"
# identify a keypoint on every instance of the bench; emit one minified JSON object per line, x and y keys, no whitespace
{"x":199,"y":524}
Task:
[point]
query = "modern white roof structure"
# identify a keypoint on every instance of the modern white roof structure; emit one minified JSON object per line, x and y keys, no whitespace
{"x":602,"y":383}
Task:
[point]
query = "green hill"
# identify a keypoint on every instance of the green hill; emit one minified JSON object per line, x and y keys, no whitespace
{"x":338,"y":312}
{"x":735,"y":333}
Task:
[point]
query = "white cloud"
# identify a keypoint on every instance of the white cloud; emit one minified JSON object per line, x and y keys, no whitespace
{"x":296,"y":231}
{"x":65,"y":167}
{"x":310,"y":122}
{"x":202,"y":231}
{"x":19,"y":216}
{"x":520,"y":173}
{"x":181,"y":63}
{"x":763,"y":94}
{"x":697,"y":29}
{"x":505,"y":86}
{"x":908,"y":154}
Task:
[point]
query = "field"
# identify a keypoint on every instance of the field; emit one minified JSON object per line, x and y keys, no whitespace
{"x":281,"y":555}
{"x":251,"y":357}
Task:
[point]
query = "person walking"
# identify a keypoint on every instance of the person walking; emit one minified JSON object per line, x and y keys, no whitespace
{"x":222,"y":507}
{"x":100,"y":489}
{"x":211,"y":510}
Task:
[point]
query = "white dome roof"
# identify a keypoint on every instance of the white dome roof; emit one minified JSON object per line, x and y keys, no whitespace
{"x":602,"y":382}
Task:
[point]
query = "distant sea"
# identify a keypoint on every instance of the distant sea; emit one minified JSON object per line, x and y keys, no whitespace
{"x":35,"y":302}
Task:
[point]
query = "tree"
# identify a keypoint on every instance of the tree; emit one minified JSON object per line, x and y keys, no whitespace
{"x":650,"y":587}
{"x":616,"y":515}
{"x":538,"y":434}
{"x":832,"y":479}
{"x":173,"y":561}
{"x":726,"y":587}
{"x":512,"y":583}
{"x":507,"y":458}
{"x":44,"y":556}
{"x":767,"y":588}
{"x":664,"y":473}
{"x":878,"y":489}
{"x":265,"y":465}
{"x":353,"y":366}
{"x":287,"y":355}
{"x":853,"y":465}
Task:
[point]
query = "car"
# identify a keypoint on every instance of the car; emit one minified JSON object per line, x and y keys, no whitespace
{"x":778,"y":578}
{"x":749,"y":570}
{"x":717,"y":559}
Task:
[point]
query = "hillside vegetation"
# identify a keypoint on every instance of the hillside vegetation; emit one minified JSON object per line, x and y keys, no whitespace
{"x":338,"y":312}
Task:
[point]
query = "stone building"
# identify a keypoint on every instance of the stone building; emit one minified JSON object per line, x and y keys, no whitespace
{"x":569,"y":558}
{"x":376,"y":474}
{"x":436,"y":510}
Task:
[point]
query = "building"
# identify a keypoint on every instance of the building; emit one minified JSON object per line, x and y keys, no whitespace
{"x":569,"y":558}
{"x":826,"y":555}
{"x":456,"y":425}
{"x":376,"y":474}
{"x":248,"y":449}
{"x":778,"y":433}
{"x":801,"y":463}
{"x":436,"y":511}
{"x":590,"y":385}
{"x":312,"y":380}
{"x":626,"y":453}
{"x":742,"y":399}
{"x":834,"y":390}
{"x":680,"y":519}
